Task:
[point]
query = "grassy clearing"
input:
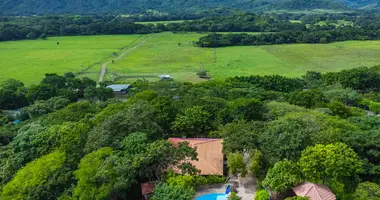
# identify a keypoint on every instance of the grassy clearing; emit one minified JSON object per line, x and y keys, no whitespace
{"x":28,"y":61}
{"x":162,"y":55}
{"x":162,"y":22}
{"x":295,"y":21}
{"x":315,"y":11}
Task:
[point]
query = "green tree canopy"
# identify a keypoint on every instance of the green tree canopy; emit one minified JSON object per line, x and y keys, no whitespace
{"x":367,"y":191}
{"x":168,"y":192}
{"x":333,"y":161}
{"x":284,"y":175}
{"x":194,"y":122}
{"x":236,"y":164}
{"x":33,"y":176}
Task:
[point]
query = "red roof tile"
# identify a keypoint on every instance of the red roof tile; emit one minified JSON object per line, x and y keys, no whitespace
{"x":210,"y":155}
{"x":314,"y":191}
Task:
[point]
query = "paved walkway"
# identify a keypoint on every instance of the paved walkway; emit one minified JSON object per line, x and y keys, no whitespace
{"x":243,"y":187}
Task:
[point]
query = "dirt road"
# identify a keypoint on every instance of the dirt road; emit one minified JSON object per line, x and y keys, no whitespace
{"x":104,"y":66}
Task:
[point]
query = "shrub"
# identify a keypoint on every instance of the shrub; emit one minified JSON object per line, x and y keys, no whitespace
{"x":297,"y":198}
{"x":202,"y":73}
{"x":183,"y":181}
{"x":234,"y":196}
{"x":262,"y":195}
{"x":215,"y":179}
{"x":374,"y":107}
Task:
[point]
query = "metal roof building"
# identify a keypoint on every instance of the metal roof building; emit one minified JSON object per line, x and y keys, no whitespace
{"x":119,"y":87}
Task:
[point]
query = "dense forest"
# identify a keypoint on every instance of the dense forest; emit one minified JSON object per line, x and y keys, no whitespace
{"x":288,"y":37}
{"x":31,"y":7}
{"x":363,"y":26}
{"x":18,"y":28}
{"x":102,"y":148}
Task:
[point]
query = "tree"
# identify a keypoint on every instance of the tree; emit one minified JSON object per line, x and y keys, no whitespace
{"x":313,"y":79}
{"x":43,"y":36}
{"x":135,"y":117}
{"x":32,"y":177}
{"x":239,"y":136}
{"x":202,"y":73}
{"x":290,"y":135}
{"x":308,"y":98}
{"x":168,"y":192}
{"x":95,"y":176}
{"x":256,"y":162}
{"x":147,"y":95}
{"x":333,"y":161}
{"x":339,"y":109}
{"x":367,"y":191}
{"x":194,"y":122}
{"x":236,"y":164}
{"x":283,"y":176}
{"x":25,"y":144}
{"x":161,"y":155}
{"x":135,"y":143}
{"x":41,"y":92}
{"x":366,"y":144}
{"x":31,"y":36}
{"x":244,"y":109}
{"x":12,"y":94}
{"x":54,"y":80}
{"x":98,"y":94}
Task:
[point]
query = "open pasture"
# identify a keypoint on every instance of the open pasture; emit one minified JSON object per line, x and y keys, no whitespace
{"x":29,"y":60}
{"x":174,"y":54}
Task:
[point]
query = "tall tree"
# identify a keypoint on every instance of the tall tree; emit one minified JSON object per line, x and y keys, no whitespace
{"x":194,"y":122}
{"x":31,"y":179}
{"x":335,"y":162}
{"x":283,"y":176}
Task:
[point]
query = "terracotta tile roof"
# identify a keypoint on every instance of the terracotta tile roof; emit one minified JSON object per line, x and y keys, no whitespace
{"x":147,"y":188}
{"x":314,"y":191}
{"x":210,"y":155}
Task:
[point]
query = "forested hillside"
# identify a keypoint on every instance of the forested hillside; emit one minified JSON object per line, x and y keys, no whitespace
{"x":102,"y":148}
{"x":31,"y":7}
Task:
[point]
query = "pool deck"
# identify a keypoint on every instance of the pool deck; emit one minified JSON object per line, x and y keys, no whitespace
{"x":243,"y":187}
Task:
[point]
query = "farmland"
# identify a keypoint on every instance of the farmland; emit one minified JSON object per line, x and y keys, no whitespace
{"x":174,"y":54}
{"x":29,"y":60}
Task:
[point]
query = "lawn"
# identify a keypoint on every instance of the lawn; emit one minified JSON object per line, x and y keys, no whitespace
{"x":29,"y":60}
{"x":174,"y":54}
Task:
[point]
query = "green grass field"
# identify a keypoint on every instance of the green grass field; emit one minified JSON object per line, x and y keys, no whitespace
{"x":162,"y":55}
{"x":28,"y":61}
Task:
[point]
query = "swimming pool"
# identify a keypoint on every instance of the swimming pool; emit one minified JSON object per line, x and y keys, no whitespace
{"x":211,"y":197}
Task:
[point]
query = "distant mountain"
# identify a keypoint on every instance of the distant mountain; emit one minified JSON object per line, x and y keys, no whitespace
{"x":361,"y":4}
{"x":38,"y":7}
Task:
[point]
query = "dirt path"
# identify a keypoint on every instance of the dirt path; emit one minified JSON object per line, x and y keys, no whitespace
{"x":104,"y":66}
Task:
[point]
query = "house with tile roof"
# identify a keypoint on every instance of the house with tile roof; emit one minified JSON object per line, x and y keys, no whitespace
{"x":314,"y":191}
{"x":210,"y":155}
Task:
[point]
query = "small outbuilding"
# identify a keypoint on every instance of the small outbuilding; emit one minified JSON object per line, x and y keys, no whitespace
{"x":119,"y":88}
{"x":165,"y":77}
{"x":313,"y":191}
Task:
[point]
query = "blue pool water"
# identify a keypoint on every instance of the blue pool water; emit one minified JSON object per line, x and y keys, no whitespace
{"x":209,"y":196}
